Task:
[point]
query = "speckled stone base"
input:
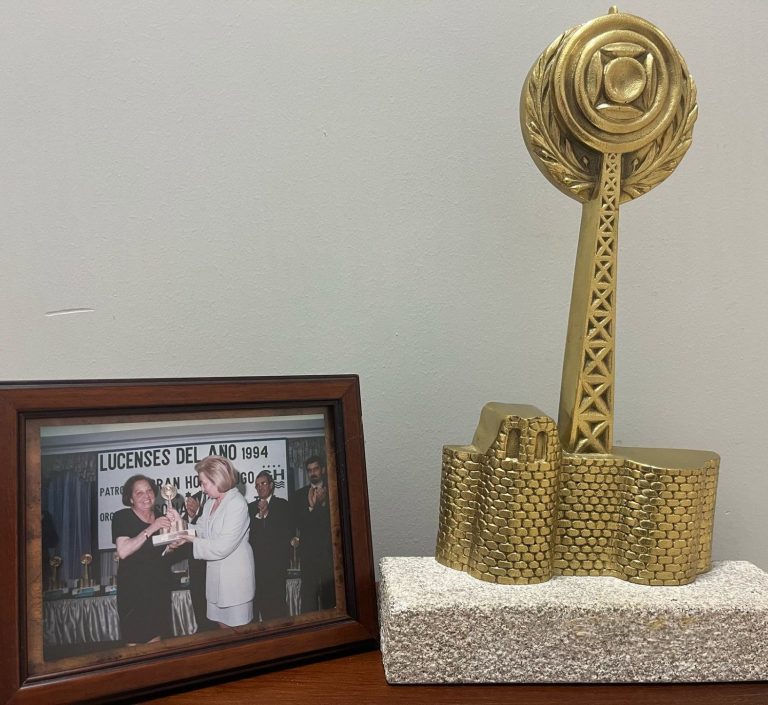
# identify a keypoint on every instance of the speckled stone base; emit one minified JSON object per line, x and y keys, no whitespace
{"x":440,"y":625}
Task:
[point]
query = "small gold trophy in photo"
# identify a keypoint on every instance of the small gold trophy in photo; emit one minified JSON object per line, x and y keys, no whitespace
{"x":53,"y":588}
{"x":178,"y":528}
{"x":294,"y":554}
{"x":86,"y":588}
{"x":85,"y":560}
{"x":53,"y":581}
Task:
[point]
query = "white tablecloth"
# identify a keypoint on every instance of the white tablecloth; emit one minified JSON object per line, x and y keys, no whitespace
{"x":84,"y":620}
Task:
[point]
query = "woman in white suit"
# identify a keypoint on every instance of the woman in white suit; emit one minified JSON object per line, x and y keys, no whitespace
{"x":222,"y":541}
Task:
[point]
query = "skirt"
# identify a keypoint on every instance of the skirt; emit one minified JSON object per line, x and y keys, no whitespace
{"x":233,"y":616}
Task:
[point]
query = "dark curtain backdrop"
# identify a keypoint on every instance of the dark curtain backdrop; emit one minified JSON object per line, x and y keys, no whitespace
{"x":68,"y":489}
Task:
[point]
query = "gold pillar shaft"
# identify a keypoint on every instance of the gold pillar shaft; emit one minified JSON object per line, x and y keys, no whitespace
{"x":586,"y":393}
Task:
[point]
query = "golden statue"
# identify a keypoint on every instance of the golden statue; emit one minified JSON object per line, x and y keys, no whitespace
{"x":53,"y":581}
{"x":85,"y":560}
{"x":607,"y":113}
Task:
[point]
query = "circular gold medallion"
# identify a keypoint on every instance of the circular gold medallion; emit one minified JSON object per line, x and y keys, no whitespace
{"x":614,"y":85}
{"x":617,"y":83}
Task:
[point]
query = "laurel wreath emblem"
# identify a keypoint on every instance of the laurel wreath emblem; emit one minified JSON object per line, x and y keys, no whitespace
{"x":571,"y":165}
{"x":650,"y":165}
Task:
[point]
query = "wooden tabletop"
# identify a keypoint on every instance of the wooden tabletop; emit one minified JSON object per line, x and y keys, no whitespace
{"x":359,"y":680}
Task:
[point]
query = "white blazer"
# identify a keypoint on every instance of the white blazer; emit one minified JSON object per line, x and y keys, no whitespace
{"x":223,"y":542}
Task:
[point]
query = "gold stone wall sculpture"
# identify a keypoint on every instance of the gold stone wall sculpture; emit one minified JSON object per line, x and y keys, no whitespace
{"x":607,"y":113}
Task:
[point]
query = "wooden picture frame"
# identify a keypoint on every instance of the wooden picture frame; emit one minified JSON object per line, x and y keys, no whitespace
{"x":65,"y":450}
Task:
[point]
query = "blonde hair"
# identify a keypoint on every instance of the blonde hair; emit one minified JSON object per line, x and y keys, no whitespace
{"x":219,"y":471}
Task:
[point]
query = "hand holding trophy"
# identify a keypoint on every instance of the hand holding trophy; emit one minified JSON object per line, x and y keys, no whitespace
{"x":178,"y":528}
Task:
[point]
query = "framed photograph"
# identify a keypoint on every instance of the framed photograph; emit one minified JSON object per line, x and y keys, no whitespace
{"x":156,"y":533}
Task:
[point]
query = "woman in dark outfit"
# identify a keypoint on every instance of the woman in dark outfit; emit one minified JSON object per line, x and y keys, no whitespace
{"x":143,"y":574}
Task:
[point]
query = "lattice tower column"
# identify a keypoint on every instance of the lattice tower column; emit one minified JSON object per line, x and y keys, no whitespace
{"x":586,"y":393}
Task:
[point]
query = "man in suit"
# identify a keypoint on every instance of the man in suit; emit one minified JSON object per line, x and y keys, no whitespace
{"x":312,"y":517}
{"x":270,"y":536}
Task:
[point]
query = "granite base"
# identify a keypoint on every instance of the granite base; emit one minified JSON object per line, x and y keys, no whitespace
{"x":440,"y":625}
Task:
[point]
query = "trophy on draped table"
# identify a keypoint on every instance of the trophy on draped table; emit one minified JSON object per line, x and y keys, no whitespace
{"x":86,"y":587}
{"x":55,"y":589}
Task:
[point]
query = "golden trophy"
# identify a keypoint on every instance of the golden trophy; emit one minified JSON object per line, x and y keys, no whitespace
{"x":85,"y":560}
{"x":85,"y":587}
{"x":55,"y":563}
{"x":54,"y":590}
{"x":294,"y":553}
{"x":607,"y":113}
{"x":179,"y":527}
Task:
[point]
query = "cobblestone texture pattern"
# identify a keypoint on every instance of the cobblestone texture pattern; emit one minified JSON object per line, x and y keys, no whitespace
{"x":520,"y":510}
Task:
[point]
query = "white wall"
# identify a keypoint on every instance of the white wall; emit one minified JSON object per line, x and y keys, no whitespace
{"x":260,"y":188}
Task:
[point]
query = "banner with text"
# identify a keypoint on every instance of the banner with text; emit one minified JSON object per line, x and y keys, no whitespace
{"x":175,"y":464}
